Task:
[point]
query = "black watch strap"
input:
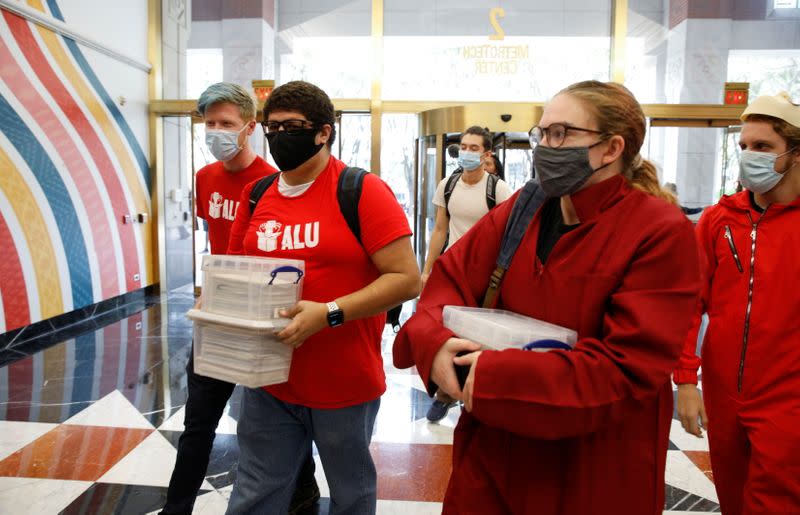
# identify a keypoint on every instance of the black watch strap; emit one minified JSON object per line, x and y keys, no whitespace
{"x":335,"y":314}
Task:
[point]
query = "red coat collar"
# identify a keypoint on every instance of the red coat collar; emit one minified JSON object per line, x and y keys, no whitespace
{"x":590,"y":202}
{"x":741,"y":202}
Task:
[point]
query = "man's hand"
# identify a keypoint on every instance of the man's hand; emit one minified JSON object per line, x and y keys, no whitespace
{"x":307,"y":319}
{"x":690,"y":409}
{"x":470,"y":360}
{"x":443,"y":372}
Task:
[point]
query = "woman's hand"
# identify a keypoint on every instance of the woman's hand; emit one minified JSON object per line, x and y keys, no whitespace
{"x":443,"y":373}
{"x":470,"y":360}
{"x":307,"y":317}
{"x":690,"y":409}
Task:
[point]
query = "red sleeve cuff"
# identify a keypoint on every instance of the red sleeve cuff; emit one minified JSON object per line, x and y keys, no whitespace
{"x":420,"y":353}
{"x":684,"y":376}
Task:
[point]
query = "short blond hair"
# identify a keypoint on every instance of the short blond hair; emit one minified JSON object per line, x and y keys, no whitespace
{"x":230,"y":93}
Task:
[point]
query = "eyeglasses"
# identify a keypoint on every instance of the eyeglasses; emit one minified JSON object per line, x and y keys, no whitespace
{"x":288,"y":125}
{"x":556,"y":133}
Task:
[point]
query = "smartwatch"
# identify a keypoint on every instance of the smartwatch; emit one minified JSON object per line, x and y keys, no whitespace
{"x":335,"y":314}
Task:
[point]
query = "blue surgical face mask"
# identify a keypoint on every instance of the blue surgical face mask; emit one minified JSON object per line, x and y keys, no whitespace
{"x":469,"y":160}
{"x":757,"y":170}
{"x":224,"y":145}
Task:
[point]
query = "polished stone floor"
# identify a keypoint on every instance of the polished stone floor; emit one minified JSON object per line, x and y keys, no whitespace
{"x":90,"y":424}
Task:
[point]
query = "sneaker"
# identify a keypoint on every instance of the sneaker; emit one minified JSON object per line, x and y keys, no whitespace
{"x":439,"y":409}
{"x":304,"y":497}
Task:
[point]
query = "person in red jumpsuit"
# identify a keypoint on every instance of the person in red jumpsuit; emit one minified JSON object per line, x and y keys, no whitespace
{"x":608,"y":254}
{"x":750,"y":242}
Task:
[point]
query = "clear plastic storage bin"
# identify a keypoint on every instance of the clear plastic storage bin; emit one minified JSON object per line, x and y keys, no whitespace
{"x":235,"y":350}
{"x":499,"y":329}
{"x":248,"y":287}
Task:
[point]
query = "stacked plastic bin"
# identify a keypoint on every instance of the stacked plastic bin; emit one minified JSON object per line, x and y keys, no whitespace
{"x":496,"y":329}
{"x":234,"y":331}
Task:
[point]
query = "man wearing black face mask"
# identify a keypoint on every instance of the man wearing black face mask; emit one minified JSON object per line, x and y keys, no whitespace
{"x":336,"y":379}
{"x":229,"y":114}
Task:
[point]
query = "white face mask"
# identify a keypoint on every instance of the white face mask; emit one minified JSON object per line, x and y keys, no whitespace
{"x":224,"y":145}
{"x":757,"y":170}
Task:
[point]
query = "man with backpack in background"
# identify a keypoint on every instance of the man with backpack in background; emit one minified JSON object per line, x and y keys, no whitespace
{"x":229,"y":115}
{"x":461,"y":200}
{"x":353,"y":235}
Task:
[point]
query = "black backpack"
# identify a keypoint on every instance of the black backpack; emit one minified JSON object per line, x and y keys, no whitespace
{"x":348,"y":193}
{"x":491,"y":189}
{"x":450,"y":185}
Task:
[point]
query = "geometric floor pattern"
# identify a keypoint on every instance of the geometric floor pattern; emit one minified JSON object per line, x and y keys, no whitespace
{"x":90,"y":426}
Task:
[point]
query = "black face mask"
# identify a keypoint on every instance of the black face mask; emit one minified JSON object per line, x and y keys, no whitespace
{"x":290,"y":149}
{"x":562,"y":171}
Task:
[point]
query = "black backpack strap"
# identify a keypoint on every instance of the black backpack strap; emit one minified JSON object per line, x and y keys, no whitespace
{"x":449,"y":186}
{"x":528,"y":202}
{"x":491,"y":190}
{"x":258,"y":190}
{"x":348,"y":193}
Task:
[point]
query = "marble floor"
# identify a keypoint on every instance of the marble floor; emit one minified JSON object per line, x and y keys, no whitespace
{"x":89,"y":425}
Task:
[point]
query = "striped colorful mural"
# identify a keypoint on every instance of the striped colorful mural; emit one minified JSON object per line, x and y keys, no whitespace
{"x":70,"y":168}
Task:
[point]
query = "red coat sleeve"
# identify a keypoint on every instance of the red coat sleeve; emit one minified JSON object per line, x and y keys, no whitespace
{"x":566,"y":394}
{"x":459,"y":277}
{"x":686,"y":372}
{"x":241,"y":222}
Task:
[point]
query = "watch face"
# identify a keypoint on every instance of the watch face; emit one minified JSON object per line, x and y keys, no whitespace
{"x":336,"y":318}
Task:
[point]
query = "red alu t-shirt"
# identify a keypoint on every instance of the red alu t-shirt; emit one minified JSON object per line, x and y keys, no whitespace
{"x":218,"y":192}
{"x":341,"y":366}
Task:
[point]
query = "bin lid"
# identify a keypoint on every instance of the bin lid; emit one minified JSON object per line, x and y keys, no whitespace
{"x":244,"y":323}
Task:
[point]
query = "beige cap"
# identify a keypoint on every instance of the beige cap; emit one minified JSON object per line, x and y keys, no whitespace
{"x":780,"y":106}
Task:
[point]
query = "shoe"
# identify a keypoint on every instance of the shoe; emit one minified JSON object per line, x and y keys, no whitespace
{"x":304,"y":497}
{"x":439,"y":409}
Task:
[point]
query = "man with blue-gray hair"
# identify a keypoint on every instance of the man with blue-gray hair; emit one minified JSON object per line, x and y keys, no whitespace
{"x":229,"y":115}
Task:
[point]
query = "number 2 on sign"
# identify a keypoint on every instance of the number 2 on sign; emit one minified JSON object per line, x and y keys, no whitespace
{"x":494,"y":13}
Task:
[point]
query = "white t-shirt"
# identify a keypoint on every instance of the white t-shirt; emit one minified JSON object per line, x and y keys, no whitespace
{"x":292,"y":191}
{"x":468,"y":204}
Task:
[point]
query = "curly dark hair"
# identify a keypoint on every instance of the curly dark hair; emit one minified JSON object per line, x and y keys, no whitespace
{"x":483,"y":133}
{"x":304,"y":98}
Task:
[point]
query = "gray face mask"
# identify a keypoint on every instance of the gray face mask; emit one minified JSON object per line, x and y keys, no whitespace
{"x":562,"y":171}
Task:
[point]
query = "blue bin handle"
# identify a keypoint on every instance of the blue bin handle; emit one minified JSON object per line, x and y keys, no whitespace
{"x":287,"y":268}
{"x":547,"y":344}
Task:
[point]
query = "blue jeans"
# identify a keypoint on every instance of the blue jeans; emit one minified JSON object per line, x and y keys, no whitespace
{"x":204,"y":407}
{"x":274,"y":441}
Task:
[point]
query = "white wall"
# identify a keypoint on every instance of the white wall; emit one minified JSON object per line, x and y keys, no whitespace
{"x":127,"y":35}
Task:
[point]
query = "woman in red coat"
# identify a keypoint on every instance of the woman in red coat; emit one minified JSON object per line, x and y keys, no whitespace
{"x":751,"y":351}
{"x":565,"y":432}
